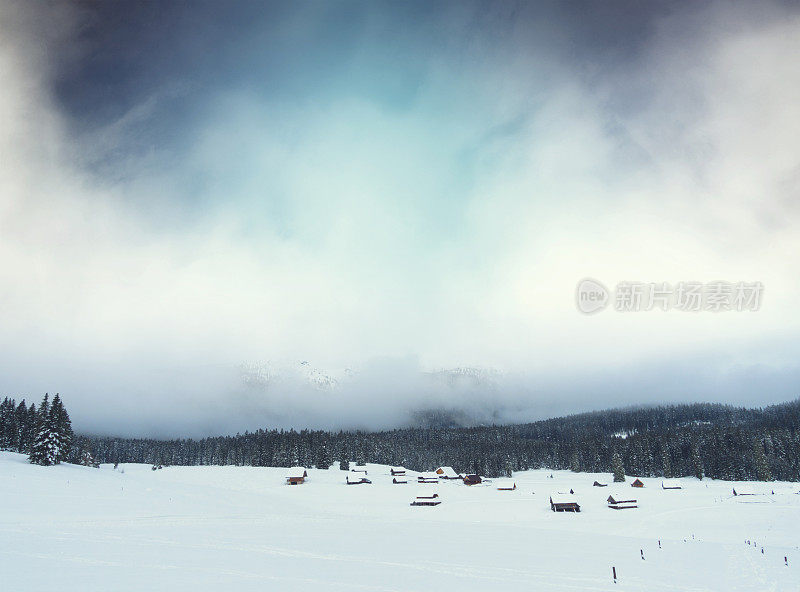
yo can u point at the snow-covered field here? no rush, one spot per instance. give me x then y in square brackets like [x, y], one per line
[240, 528]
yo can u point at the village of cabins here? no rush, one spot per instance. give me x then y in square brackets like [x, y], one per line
[561, 501]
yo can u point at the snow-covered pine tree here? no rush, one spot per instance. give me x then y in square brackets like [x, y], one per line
[8, 425]
[617, 468]
[30, 428]
[575, 462]
[763, 472]
[344, 464]
[324, 460]
[508, 469]
[62, 427]
[697, 462]
[281, 458]
[44, 450]
[361, 457]
[87, 460]
[666, 461]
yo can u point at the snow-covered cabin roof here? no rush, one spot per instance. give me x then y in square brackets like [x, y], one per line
[358, 478]
[397, 469]
[745, 490]
[506, 485]
[671, 484]
[613, 500]
[563, 498]
[447, 472]
[296, 473]
[427, 493]
[432, 476]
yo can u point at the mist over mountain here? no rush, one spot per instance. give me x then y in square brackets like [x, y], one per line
[453, 397]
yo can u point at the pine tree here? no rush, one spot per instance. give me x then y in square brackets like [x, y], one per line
[30, 427]
[8, 427]
[697, 462]
[62, 427]
[344, 464]
[617, 468]
[281, 458]
[323, 460]
[479, 466]
[361, 457]
[763, 472]
[44, 450]
[87, 460]
[666, 461]
[23, 428]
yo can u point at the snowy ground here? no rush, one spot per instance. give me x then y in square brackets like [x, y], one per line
[241, 528]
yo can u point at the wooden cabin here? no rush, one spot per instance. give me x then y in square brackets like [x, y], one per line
[743, 490]
[427, 495]
[598, 484]
[427, 478]
[621, 504]
[564, 502]
[357, 479]
[399, 471]
[399, 480]
[296, 476]
[446, 473]
[426, 500]
[670, 484]
[637, 483]
[506, 486]
[472, 479]
[362, 471]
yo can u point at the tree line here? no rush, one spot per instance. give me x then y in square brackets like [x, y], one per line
[44, 433]
[710, 440]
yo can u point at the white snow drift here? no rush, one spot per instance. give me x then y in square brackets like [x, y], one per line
[242, 528]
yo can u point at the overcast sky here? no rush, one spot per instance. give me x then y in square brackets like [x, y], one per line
[385, 190]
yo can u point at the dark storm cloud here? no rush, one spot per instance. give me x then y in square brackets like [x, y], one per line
[394, 188]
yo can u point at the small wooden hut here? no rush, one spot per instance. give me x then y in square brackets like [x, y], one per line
[296, 476]
[472, 479]
[446, 473]
[621, 504]
[357, 479]
[564, 502]
[637, 483]
[426, 499]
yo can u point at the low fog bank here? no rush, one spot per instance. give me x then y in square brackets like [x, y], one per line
[391, 393]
